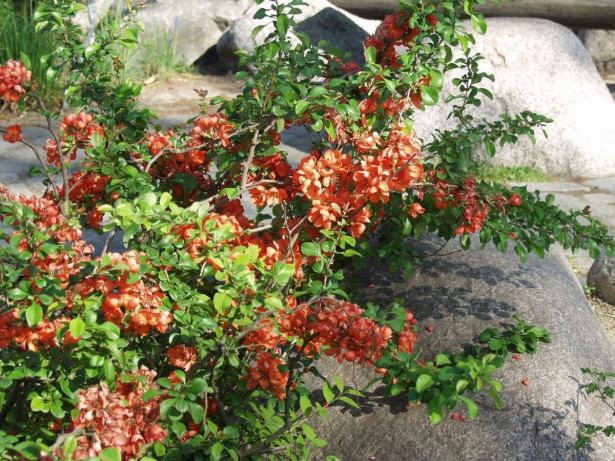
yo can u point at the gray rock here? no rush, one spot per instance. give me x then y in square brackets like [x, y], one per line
[542, 67]
[319, 20]
[601, 276]
[573, 13]
[196, 25]
[461, 295]
[601, 47]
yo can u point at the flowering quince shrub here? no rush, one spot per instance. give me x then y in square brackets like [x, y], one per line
[195, 341]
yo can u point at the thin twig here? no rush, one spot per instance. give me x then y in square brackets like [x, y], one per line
[108, 241]
[40, 160]
[78, 432]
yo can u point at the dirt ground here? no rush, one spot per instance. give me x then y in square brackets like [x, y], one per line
[605, 313]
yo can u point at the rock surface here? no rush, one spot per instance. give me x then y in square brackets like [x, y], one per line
[461, 295]
[319, 20]
[601, 47]
[543, 67]
[195, 24]
[601, 277]
[572, 13]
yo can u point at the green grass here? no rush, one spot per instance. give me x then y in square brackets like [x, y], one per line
[156, 55]
[17, 35]
[488, 172]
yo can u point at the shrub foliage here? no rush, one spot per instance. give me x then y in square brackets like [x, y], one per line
[194, 342]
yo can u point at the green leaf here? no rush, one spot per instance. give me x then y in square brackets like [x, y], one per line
[282, 25]
[76, 327]
[25, 59]
[196, 386]
[489, 147]
[231, 432]
[594, 250]
[317, 91]
[165, 199]
[111, 454]
[370, 55]
[496, 398]
[328, 393]
[52, 73]
[479, 24]
[34, 314]
[424, 382]
[309, 432]
[472, 407]
[442, 359]
[216, 450]
[29, 450]
[301, 106]
[150, 394]
[222, 301]
[70, 445]
[37, 404]
[17, 293]
[305, 404]
[430, 95]
[109, 369]
[197, 412]
[310, 249]
[110, 329]
[97, 139]
[350, 402]
[339, 383]
[435, 411]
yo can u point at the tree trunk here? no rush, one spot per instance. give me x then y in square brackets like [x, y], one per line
[581, 14]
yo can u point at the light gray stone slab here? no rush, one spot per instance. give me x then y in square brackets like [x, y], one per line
[602, 183]
[553, 186]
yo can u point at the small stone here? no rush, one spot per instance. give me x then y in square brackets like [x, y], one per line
[601, 277]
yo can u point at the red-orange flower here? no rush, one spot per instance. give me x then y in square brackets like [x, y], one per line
[416, 209]
[13, 134]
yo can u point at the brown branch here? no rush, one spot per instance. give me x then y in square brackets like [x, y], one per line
[108, 241]
[63, 169]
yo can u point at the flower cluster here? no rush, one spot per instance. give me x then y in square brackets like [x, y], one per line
[182, 356]
[136, 304]
[336, 327]
[393, 33]
[13, 78]
[340, 186]
[265, 373]
[119, 418]
[86, 189]
[75, 133]
[14, 331]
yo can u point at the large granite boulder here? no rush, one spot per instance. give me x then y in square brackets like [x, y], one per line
[572, 13]
[543, 67]
[319, 20]
[601, 277]
[196, 25]
[461, 295]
